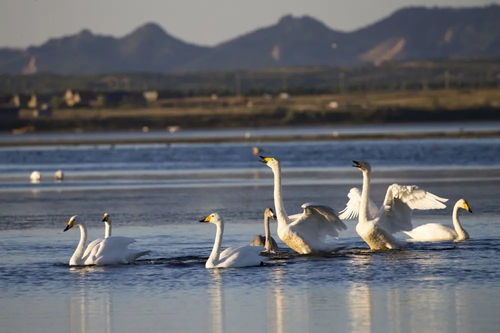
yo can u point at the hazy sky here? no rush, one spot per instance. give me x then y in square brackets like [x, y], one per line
[208, 22]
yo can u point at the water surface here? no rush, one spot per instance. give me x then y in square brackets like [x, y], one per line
[157, 193]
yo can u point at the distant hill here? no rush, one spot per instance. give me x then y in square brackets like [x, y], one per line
[415, 33]
[147, 49]
[291, 42]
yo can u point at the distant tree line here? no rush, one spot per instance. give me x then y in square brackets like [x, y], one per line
[390, 76]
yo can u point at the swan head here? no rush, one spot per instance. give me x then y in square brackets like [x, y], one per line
[270, 161]
[71, 222]
[462, 203]
[268, 212]
[212, 218]
[105, 218]
[363, 166]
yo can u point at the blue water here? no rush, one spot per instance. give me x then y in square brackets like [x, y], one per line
[156, 194]
[419, 153]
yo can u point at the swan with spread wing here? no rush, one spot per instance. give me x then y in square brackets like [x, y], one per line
[376, 227]
[305, 232]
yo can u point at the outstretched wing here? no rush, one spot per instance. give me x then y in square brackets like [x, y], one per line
[317, 222]
[351, 210]
[399, 202]
[92, 247]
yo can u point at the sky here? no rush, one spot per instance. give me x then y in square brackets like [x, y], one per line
[205, 22]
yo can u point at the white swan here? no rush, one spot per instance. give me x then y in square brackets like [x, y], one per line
[35, 176]
[59, 175]
[231, 257]
[435, 232]
[266, 241]
[108, 251]
[376, 227]
[305, 233]
[256, 150]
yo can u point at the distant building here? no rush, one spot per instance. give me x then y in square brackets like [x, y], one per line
[83, 98]
[284, 95]
[150, 96]
[9, 101]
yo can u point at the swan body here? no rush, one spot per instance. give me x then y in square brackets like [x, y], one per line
[266, 241]
[306, 232]
[376, 227]
[107, 251]
[243, 256]
[435, 232]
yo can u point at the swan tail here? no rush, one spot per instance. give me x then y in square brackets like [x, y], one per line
[408, 233]
[134, 255]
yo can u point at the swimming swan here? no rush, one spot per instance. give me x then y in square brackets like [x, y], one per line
[376, 227]
[305, 233]
[231, 257]
[266, 241]
[59, 175]
[35, 177]
[108, 251]
[435, 232]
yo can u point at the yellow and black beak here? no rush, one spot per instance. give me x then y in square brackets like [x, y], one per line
[467, 207]
[206, 219]
[265, 159]
[67, 228]
[356, 164]
[273, 216]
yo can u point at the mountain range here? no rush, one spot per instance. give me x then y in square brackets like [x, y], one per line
[414, 33]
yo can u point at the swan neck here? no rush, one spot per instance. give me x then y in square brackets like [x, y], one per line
[267, 233]
[365, 194]
[281, 215]
[461, 233]
[107, 229]
[214, 255]
[78, 254]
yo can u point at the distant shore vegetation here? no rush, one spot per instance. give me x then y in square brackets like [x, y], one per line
[394, 91]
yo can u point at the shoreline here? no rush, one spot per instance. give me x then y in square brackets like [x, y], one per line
[134, 138]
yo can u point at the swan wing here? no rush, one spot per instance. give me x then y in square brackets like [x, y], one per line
[431, 232]
[317, 222]
[400, 200]
[114, 250]
[227, 252]
[92, 247]
[351, 210]
[241, 257]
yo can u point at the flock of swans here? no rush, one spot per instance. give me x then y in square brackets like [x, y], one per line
[307, 232]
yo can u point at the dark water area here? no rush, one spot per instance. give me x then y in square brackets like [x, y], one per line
[156, 194]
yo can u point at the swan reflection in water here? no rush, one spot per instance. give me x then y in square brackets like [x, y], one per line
[90, 311]
[279, 298]
[216, 299]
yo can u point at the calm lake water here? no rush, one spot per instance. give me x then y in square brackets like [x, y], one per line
[157, 193]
